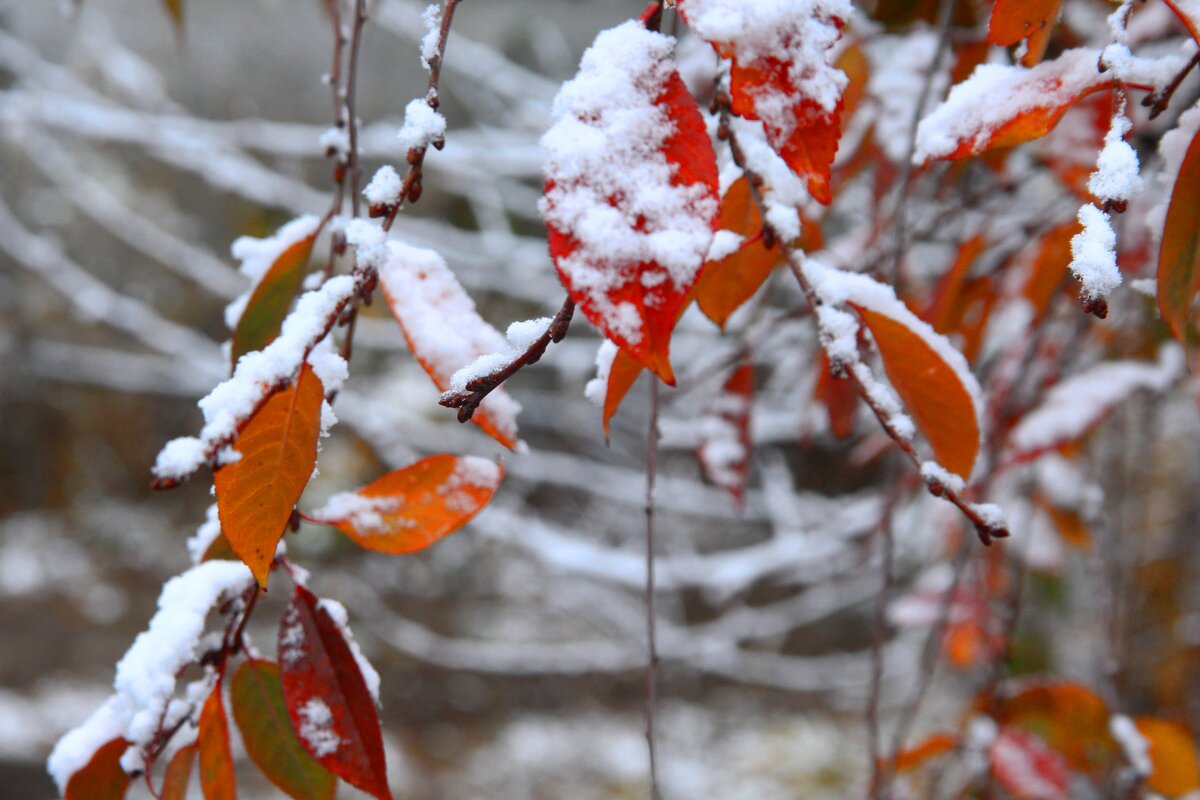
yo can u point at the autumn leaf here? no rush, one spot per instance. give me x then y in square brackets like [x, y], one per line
[724, 449]
[1014, 20]
[1189, 15]
[615, 378]
[631, 192]
[1172, 753]
[175, 9]
[268, 305]
[1069, 717]
[102, 778]
[961, 304]
[278, 450]
[412, 508]
[327, 697]
[217, 779]
[1027, 768]
[932, 390]
[727, 283]
[918, 754]
[1049, 267]
[839, 397]
[261, 714]
[179, 773]
[1179, 254]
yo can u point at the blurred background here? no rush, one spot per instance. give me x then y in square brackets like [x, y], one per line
[511, 653]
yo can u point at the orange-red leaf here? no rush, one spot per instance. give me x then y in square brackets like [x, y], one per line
[217, 779]
[1027, 768]
[1014, 20]
[179, 773]
[1050, 266]
[102, 777]
[839, 397]
[608, 233]
[622, 374]
[412, 508]
[1173, 755]
[942, 407]
[730, 281]
[268, 304]
[327, 697]
[1069, 717]
[262, 718]
[918, 754]
[1188, 14]
[1179, 255]
[256, 493]
[724, 449]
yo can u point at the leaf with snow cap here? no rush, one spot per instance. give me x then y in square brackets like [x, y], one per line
[631, 191]
[1027, 768]
[102, 778]
[261, 714]
[217, 779]
[1179, 254]
[278, 450]
[724, 449]
[267, 306]
[412, 508]
[1003, 106]
[328, 700]
[781, 74]
[443, 329]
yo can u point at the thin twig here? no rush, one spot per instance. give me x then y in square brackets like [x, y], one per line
[651, 637]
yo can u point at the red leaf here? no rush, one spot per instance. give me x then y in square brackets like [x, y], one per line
[327, 698]
[628, 234]
[1188, 14]
[1027, 768]
[724, 450]
[278, 447]
[412, 508]
[777, 79]
[262, 717]
[839, 398]
[179, 773]
[259, 322]
[618, 377]
[1179, 255]
[217, 779]
[102, 777]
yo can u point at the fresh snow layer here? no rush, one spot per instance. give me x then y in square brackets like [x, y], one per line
[145, 679]
[597, 388]
[1116, 176]
[610, 181]
[1094, 254]
[257, 256]
[384, 188]
[422, 126]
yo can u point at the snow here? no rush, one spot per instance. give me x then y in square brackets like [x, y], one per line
[1135, 746]
[145, 679]
[610, 180]
[1073, 406]
[1116, 176]
[257, 374]
[205, 535]
[257, 256]
[441, 324]
[998, 93]
[337, 612]
[1028, 766]
[470, 472]
[431, 17]
[1172, 148]
[335, 140]
[519, 336]
[899, 69]
[316, 728]
[722, 451]
[724, 243]
[1094, 254]
[597, 388]
[384, 188]
[423, 126]
[933, 472]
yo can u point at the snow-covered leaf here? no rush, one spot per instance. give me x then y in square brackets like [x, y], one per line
[261, 715]
[412, 508]
[277, 451]
[102, 777]
[268, 304]
[1027, 768]
[328, 700]
[1069, 717]
[631, 191]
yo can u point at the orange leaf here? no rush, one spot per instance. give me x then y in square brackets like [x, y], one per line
[918, 754]
[942, 407]
[412, 508]
[1050, 266]
[727, 283]
[256, 493]
[629, 250]
[1069, 717]
[854, 62]
[1014, 20]
[179, 773]
[1173, 755]
[1188, 14]
[102, 778]
[262, 718]
[268, 304]
[217, 779]
[622, 374]
[1179, 255]
[839, 397]
[443, 329]
[724, 449]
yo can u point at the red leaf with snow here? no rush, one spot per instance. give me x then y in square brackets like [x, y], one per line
[217, 779]
[781, 75]
[1027, 768]
[412, 508]
[724, 450]
[102, 777]
[631, 191]
[1179, 255]
[327, 697]
[443, 329]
